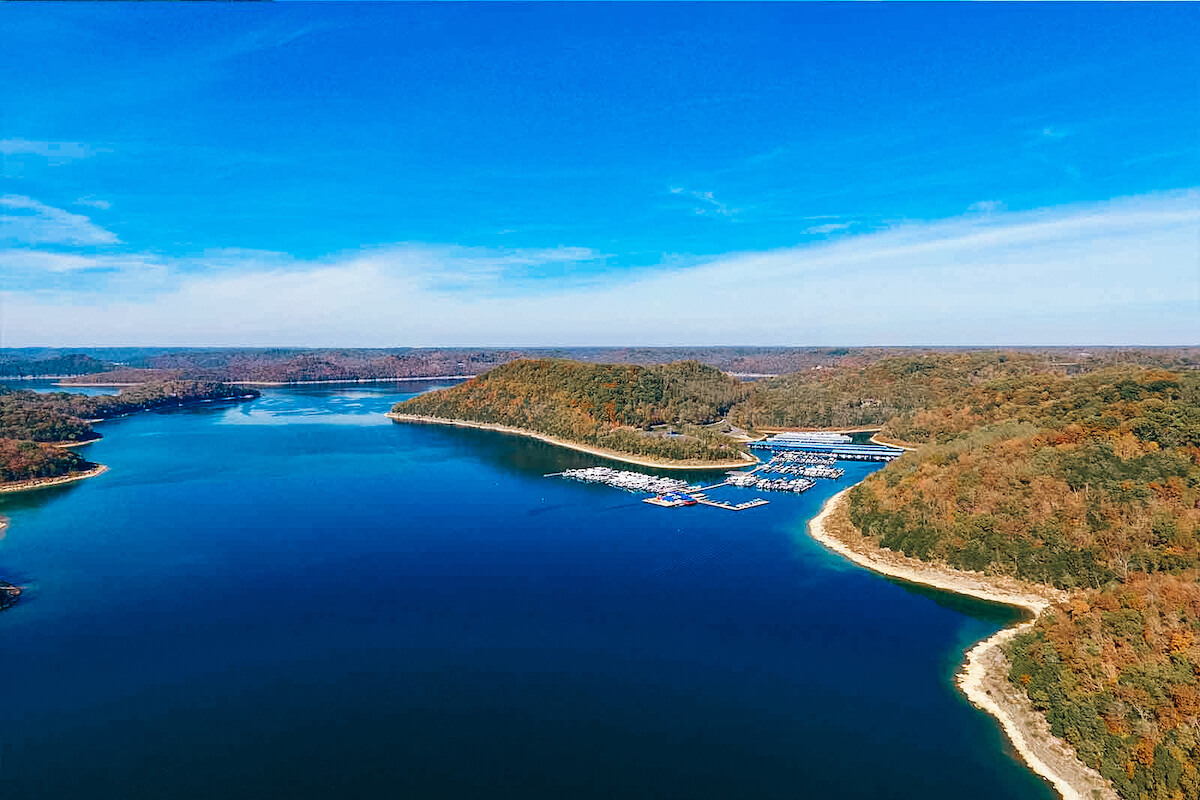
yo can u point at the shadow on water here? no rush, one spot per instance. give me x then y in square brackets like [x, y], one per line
[36, 498]
[999, 614]
[525, 456]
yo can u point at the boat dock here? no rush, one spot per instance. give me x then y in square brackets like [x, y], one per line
[622, 479]
[699, 498]
[789, 470]
[755, 503]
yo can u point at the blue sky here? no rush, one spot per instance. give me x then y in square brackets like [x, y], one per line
[495, 174]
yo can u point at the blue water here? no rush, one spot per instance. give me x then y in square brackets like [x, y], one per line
[45, 386]
[297, 597]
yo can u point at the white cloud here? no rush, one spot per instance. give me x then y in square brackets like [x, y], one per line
[1125, 271]
[26, 221]
[17, 261]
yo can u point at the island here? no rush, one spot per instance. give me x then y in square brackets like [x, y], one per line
[670, 415]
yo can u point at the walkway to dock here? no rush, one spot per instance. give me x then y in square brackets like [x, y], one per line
[726, 481]
[755, 503]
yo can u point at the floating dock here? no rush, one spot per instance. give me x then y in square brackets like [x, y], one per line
[699, 498]
[672, 500]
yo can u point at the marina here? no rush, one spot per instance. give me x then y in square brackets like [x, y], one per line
[789, 471]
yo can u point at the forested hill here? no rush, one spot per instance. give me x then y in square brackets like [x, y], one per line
[1089, 483]
[30, 421]
[876, 393]
[658, 411]
[64, 364]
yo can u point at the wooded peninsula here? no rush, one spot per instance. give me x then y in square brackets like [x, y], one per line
[664, 412]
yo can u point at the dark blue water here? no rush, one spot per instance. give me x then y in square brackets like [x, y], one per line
[297, 597]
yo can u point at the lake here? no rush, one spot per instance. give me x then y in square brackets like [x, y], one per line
[296, 596]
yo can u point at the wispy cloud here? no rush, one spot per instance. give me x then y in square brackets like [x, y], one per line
[1116, 272]
[1055, 132]
[27, 221]
[63, 151]
[986, 207]
[710, 205]
[93, 202]
[27, 262]
[427, 268]
[829, 227]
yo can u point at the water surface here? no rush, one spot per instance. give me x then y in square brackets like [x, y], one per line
[296, 596]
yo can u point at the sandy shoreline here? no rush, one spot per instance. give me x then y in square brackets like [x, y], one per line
[42, 483]
[876, 440]
[984, 675]
[596, 451]
[69, 445]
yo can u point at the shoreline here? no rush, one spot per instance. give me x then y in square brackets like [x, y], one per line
[907, 448]
[42, 483]
[983, 677]
[595, 451]
[68, 445]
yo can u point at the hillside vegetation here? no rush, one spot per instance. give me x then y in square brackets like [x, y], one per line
[878, 392]
[606, 405]
[1091, 483]
[23, 461]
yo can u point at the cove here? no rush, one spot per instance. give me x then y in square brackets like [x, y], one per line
[296, 596]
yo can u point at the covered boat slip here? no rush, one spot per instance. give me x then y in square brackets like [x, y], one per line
[837, 445]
